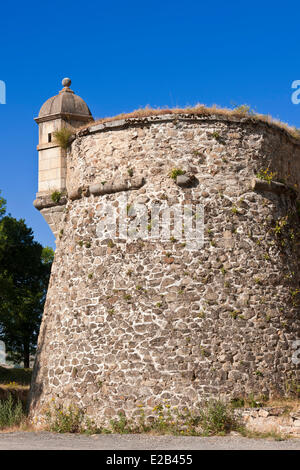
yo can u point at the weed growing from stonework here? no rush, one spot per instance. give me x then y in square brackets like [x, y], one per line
[176, 172]
[237, 402]
[295, 294]
[64, 420]
[121, 425]
[110, 244]
[280, 225]
[216, 417]
[216, 136]
[258, 373]
[243, 109]
[56, 196]
[249, 401]
[197, 153]
[213, 418]
[69, 419]
[62, 137]
[203, 352]
[292, 388]
[234, 314]
[266, 175]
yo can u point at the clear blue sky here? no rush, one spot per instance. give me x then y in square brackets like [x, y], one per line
[122, 55]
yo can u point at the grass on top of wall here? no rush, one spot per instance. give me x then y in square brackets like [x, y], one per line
[242, 111]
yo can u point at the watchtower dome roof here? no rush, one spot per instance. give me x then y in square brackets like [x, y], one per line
[65, 104]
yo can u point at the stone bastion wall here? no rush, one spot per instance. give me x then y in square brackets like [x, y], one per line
[143, 322]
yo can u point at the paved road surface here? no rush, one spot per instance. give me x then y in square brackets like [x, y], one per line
[51, 441]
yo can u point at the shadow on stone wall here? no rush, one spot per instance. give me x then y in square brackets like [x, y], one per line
[36, 387]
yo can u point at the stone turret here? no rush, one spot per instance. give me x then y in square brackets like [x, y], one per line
[65, 110]
[148, 320]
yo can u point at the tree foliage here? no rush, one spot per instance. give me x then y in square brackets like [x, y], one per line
[2, 206]
[24, 275]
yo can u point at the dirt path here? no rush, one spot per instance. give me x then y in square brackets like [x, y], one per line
[51, 441]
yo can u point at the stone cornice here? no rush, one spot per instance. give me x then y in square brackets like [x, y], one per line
[65, 116]
[47, 146]
[95, 189]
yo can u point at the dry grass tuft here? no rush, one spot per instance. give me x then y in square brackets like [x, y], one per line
[242, 111]
[24, 426]
[290, 403]
[62, 137]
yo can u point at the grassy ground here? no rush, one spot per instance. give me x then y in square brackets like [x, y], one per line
[14, 389]
[15, 382]
[15, 377]
[290, 404]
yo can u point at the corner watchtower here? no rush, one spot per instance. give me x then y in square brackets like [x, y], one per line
[65, 110]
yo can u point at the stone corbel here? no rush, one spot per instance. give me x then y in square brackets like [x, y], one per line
[44, 202]
[96, 189]
[273, 187]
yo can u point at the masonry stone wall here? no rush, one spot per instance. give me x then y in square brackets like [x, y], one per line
[140, 322]
[278, 420]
